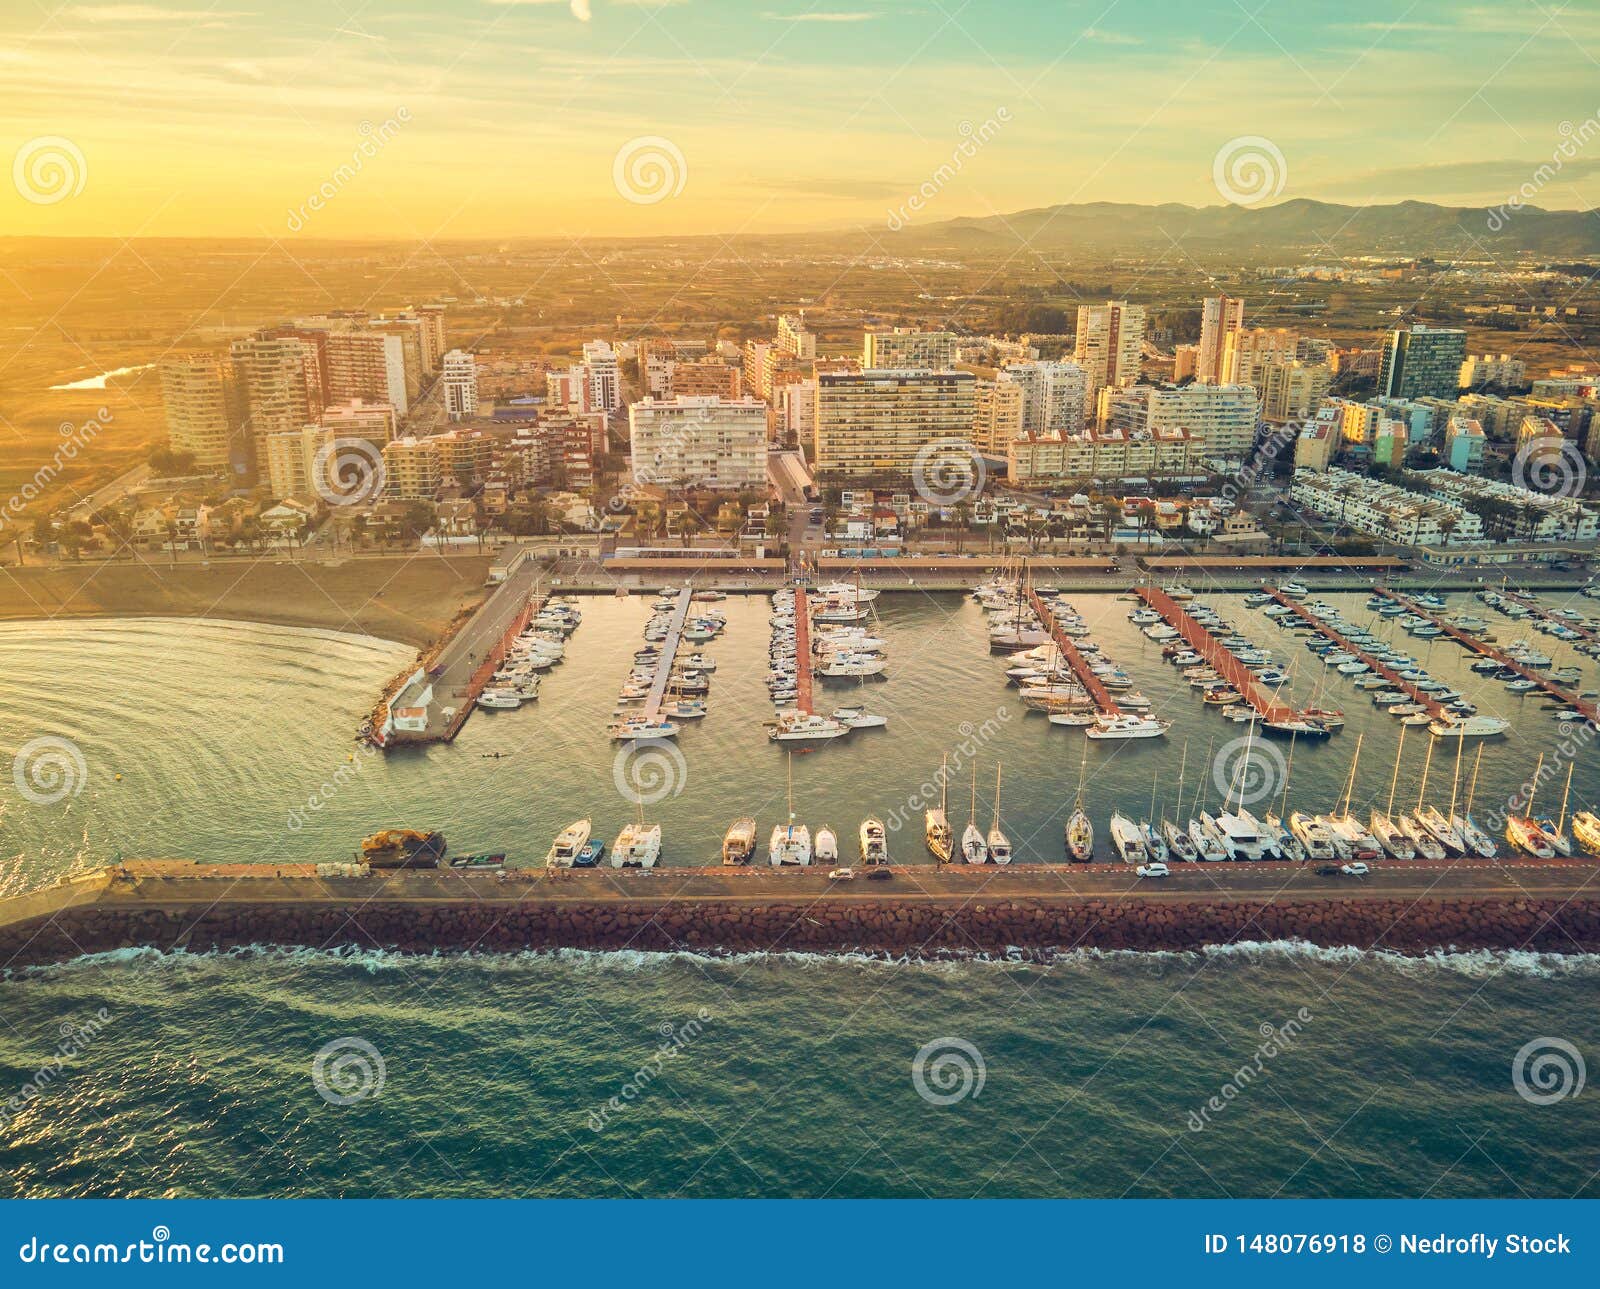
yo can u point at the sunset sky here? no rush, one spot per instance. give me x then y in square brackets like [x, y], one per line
[506, 118]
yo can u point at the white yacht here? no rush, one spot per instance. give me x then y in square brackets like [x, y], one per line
[499, 699]
[636, 728]
[803, 727]
[874, 841]
[1128, 839]
[858, 718]
[572, 839]
[827, 847]
[1126, 727]
[1468, 726]
[637, 846]
[1243, 835]
[1313, 835]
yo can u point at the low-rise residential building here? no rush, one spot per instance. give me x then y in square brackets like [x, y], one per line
[1045, 460]
[1385, 511]
[1464, 442]
[1529, 516]
[1490, 369]
[1318, 441]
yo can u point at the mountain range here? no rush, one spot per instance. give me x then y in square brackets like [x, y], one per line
[1301, 227]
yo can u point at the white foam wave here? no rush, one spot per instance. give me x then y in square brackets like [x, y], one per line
[1471, 963]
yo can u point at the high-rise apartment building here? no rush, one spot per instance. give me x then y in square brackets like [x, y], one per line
[458, 375]
[374, 422]
[368, 365]
[1055, 395]
[1247, 351]
[1224, 416]
[1292, 390]
[196, 400]
[1220, 317]
[412, 469]
[874, 422]
[269, 388]
[997, 415]
[1109, 344]
[699, 442]
[907, 349]
[1421, 361]
[602, 376]
[793, 338]
[708, 377]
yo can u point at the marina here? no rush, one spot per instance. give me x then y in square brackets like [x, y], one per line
[1534, 676]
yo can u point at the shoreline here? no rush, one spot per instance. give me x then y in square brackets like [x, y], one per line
[1407, 909]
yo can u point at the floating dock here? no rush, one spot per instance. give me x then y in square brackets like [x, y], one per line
[1435, 708]
[1218, 656]
[1103, 702]
[669, 655]
[802, 652]
[1538, 610]
[1467, 640]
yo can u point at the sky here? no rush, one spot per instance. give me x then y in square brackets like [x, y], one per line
[440, 119]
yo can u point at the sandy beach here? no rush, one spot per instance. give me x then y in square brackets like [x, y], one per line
[407, 600]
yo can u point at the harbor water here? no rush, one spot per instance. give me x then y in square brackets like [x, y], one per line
[588, 1074]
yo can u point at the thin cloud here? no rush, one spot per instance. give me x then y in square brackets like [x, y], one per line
[821, 17]
[112, 13]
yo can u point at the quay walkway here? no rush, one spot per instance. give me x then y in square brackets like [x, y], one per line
[1435, 709]
[1217, 656]
[669, 654]
[802, 652]
[1467, 640]
[1103, 702]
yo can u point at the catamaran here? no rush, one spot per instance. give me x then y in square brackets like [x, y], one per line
[936, 823]
[790, 844]
[638, 845]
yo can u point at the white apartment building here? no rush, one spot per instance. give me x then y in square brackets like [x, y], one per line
[797, 410]
[1491, 369]
[1103, 455]
[1247, 351]
[997, 415]
[1388, 513]
[1109, 344]
[602, 377]
[1055, 395]
[1224, 416]
[196, 401]
[1539, 516]
[1292, 390]
[699, 442]
[793, 338]
[905, 348]
[459, 377]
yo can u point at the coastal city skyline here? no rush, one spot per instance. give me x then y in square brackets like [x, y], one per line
[530, 119]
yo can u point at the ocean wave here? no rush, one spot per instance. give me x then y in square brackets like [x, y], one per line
[1471, 963]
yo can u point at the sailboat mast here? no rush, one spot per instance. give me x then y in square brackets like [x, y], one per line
[1472, 791]
[1533, 788]
[1561, 823]
[1455, 783]
[1288, 774]
[944, 786]
[1183, 764]
[997, 796]
[1394, 779]
[1350, 783]
[1427, 764]
[972, 806]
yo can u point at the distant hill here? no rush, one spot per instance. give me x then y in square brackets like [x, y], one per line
[1304, 228]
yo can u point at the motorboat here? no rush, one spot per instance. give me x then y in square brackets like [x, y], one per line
[1586, 830]
[499, 700]
[1128, 839]
[874, 841]
[638, 845]
[805, 727]
[739, 842]
[826, 849]
[1127, 727]
[637, 729]
[1314, 836]
[569, 844]
[1452, 726]
[858, 718]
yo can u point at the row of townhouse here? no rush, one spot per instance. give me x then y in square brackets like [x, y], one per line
[1541, 517]
[1384, 511]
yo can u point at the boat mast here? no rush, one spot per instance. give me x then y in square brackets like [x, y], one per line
[1288, 773]
[1534, 787]
[1083, 769]
[1427, 764]
[1350, 783]
[1199, 792]
[1472, 790]
[972, 806]
[1183, 764]
[790, 775]
[1561, 823]
[944, 786]
[997, 797]
[1455, 783]
[1394, 779]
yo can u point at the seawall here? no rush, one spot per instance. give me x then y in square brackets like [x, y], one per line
[1035, 924]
